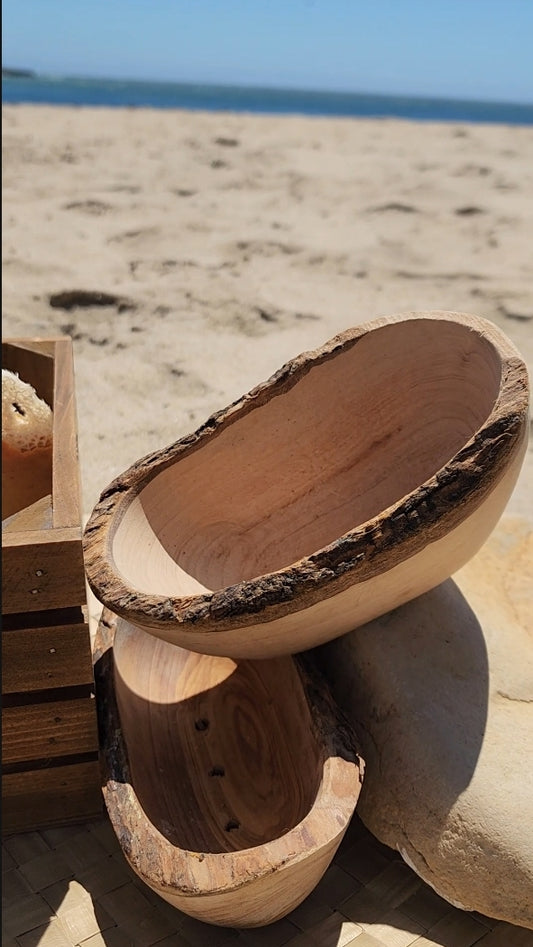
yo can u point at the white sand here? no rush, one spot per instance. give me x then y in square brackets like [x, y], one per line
[240, 241]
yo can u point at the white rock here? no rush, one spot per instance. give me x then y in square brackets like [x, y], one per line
[441, 692]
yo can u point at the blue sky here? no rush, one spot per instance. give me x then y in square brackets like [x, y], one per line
[478, 49]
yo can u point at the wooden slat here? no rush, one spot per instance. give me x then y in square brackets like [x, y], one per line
[33, 361]
[38, 516]
[66, 473]
[55, 796]
[49, 618]
[42, 570]
[45, 731]
[35, 659]
[40, 344]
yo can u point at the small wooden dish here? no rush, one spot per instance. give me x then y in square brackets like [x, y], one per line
[229, 785]
[356, 478]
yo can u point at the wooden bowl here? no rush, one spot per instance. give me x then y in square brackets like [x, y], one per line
[359, 476]
[229, 785]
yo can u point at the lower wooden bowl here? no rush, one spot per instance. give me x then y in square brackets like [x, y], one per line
[229, 784]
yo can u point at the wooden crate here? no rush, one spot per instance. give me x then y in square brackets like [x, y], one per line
[51, 773]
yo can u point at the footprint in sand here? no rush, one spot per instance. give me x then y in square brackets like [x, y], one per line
[184, 383]
[94, 208]
[125, 188]
[86, 299]
[397, 206]
[226, 142]
[268, 248]
[134, 236]
[470, 210]
[253, 320]
[518, 310]
[472, 170]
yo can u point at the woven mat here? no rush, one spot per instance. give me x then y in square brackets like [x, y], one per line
[72, 886]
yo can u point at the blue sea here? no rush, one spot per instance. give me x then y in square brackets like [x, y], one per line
[179, 95]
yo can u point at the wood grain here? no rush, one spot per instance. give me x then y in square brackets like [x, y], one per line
[229, 785]
[55, 728]
[65, 466]
[33, 362]
[359, 476]
[40, 658]
[38, 516]
[52, 796]
[42, 570]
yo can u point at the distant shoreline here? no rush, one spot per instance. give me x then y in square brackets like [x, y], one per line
[23, 87]
[18, 74]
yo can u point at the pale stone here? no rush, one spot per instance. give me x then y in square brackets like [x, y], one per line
[441, 693]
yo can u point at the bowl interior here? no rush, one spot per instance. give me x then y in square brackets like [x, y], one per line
[354, 435]
[223, 755]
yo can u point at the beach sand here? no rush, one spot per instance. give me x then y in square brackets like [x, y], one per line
[234, 242]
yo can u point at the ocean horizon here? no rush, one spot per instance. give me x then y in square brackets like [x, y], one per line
[121, 93]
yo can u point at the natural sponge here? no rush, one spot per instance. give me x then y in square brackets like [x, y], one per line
[26, 445]
[26, 418]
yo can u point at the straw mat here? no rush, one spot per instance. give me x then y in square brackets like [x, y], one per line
[72, 886]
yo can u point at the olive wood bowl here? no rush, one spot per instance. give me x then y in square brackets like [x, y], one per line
[357, 477]
[229, 784]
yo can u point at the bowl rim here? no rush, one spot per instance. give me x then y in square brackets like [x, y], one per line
[424, 514]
